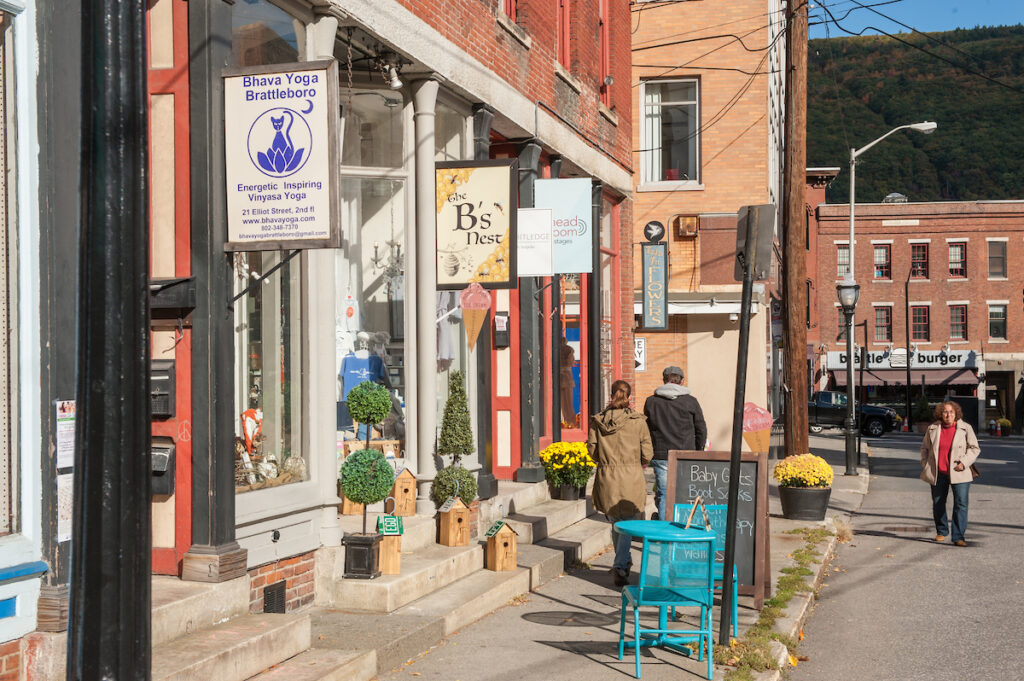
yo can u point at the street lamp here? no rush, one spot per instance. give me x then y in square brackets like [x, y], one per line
[849, 293]
[853, 290]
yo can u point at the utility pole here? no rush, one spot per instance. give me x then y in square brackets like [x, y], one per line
[794, 246]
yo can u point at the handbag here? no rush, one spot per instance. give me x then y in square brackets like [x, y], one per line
[975, 473]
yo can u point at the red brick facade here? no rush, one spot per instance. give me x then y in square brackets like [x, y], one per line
[937, 225]
[297, 573]
[10, 661]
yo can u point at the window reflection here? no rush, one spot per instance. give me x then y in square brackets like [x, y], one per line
[262, 33]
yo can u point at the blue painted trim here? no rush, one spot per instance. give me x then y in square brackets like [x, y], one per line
[23, 571]
[8, 607]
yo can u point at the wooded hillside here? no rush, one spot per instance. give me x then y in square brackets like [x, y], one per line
[860, 88]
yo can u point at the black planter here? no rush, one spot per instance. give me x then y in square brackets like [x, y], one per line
[362, 556]
[569, 493]
[804, 503]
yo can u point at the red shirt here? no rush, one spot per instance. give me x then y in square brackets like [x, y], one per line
[945, 444]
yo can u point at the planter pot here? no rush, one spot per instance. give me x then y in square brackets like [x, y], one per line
[804, 503]
[362, 556]
[570, 493]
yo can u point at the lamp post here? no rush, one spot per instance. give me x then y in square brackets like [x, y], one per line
[849, 293]
[853, 290]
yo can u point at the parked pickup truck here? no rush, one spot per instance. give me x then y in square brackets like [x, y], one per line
[827, 409]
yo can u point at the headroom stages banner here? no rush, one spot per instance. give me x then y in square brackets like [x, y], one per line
[281, 155]
[477, 203]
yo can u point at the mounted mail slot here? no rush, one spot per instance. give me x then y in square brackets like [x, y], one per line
[161, 388]
[162, 452]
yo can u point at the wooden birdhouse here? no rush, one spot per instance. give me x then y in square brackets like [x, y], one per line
[454, 523]
[347, 506]
[501, 547]
[390, 527]
[404, 493]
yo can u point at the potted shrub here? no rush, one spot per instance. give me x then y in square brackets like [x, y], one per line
[1004, 426]
[567, 467]
[805, 485]
[366, 478]
[456, 441]
[923, 414]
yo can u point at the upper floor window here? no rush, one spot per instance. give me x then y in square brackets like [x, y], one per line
[997, 322]
[564, 34]
[958, 260]
[263, 33]
[997, 259]
[883, 323]
[919, 327]
[919, 261]
[606, 66]
[670, 139]
[840, 324]
[842, 260]
[883, 261]
[510, 9]
[958, 322]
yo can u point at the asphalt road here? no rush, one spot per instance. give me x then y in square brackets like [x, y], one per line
[899, 606]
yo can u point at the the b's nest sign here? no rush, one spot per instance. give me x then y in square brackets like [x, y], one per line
[281, 155]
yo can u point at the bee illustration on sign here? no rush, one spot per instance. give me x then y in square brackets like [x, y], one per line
[454, 259]
[290, 139]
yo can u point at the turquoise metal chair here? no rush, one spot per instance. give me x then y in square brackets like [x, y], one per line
[674, 573]
[717, 514]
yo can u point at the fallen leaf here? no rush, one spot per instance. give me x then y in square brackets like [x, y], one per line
[792, 660]
[802, 658]
[415, 674]
[889, 555]
[801, 634]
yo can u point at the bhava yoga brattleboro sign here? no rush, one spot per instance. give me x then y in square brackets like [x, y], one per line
[281, 156]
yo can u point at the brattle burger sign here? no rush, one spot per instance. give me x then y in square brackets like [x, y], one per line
[921, 359]
[281, 152]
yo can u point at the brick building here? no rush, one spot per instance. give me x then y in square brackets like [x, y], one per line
[938, 280]
[708, 135]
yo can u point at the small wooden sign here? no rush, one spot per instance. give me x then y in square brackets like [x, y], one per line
[454, 529]
[404, 493]
[500, 555]
[389, 526]
[448, 505]
[391, 554]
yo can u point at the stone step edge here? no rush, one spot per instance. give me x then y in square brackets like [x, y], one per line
[206, 606]
[330, 665]
[549, 521]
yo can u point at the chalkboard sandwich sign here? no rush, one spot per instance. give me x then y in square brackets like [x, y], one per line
[693, 474]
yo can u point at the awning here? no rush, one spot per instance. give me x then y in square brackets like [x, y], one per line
[899, 377]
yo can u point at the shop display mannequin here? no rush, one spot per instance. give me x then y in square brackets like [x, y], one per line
[356, 367]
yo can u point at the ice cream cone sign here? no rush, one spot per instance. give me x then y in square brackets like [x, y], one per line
[475, 302]
[757, 427]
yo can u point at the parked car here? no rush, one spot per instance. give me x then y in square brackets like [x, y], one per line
[827, 409]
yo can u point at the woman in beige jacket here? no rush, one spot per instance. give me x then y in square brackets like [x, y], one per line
[947, 452]
[621, 445]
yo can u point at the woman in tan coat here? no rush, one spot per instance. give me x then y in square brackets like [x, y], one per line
[947, 452]
[621, 445]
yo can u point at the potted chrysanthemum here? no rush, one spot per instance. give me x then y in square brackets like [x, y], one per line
[805, 485]
[567, 467]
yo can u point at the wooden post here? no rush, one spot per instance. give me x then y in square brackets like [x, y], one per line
[794, 248]
[501, 549]
[454, 523]
[391, 554]
[404, 493]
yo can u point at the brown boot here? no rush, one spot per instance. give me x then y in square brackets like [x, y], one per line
[940, 537]
[960, 542]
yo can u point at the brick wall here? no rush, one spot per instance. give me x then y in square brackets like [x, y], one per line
[10, 661]
[974, 221]
[664, 348]
[297, 572]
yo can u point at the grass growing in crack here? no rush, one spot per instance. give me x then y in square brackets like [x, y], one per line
[752, 652]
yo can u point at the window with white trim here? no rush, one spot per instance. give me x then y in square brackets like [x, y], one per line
[997, 319]
[670, 130]
[958, 322]
[997, 259]
[842, 260]
[883, 323]
[958, 260]
[8, 459]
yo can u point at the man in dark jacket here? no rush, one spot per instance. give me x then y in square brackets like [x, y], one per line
[676, 421]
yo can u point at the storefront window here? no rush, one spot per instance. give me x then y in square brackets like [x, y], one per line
[370, 313]
[268, 371]
[263, 33]
[268, 320]
[609, 295]
[570, 352]
[372, 130]
[449, 135]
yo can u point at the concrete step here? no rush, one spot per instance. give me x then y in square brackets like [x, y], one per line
[419, 531]
[581, 540]
[234, 650]
[423, 572]
[543, 564]
[394, 639]
[547, 518]
[181, 608]
[512, 497]
[467, 600]
[321, 664]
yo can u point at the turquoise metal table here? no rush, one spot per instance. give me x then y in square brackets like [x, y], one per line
[662, 531]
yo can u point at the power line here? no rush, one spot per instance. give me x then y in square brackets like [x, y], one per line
[961, 67]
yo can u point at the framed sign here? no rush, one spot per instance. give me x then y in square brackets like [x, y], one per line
[477, 205]
[571, 203]
[535, 246]
[706, 474]
[655, 273]
[281, 156]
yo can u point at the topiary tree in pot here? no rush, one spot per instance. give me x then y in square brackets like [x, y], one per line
[456, 441]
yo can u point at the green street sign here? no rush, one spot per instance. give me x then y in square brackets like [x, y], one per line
[390, 525]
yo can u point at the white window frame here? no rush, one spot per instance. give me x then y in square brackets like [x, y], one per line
[650, 140]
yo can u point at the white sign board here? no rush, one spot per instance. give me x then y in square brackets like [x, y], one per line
[570, 201]
[281, 156]
[640, 354]
[921, 359]
[535, 244]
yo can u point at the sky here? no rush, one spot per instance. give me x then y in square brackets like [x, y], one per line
[923, 15]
